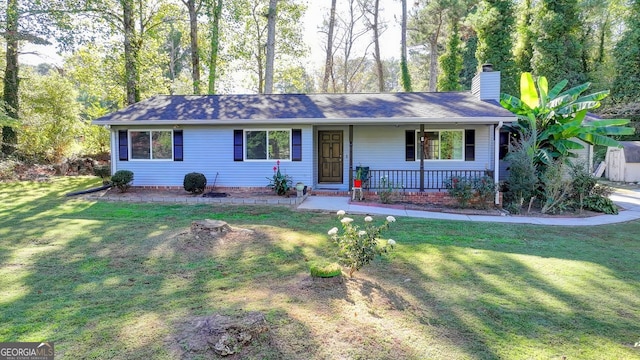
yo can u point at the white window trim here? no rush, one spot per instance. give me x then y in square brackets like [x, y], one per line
[418, 147]
[244, 145]
[151, 159]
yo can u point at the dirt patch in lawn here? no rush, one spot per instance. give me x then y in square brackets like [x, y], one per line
[306, 317]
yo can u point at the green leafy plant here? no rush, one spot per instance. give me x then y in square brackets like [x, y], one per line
[122, 180]
[103, 172]
[358, 245]
[555, 189]
[522, 181]
[485, 188]
[461, 189]
[324, 270]
[279, 183]
[194, 182]
[582, 183]
[387, 191]
[556, 119]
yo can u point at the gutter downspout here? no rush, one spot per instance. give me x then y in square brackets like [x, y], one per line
[114, 148]
[496, 160]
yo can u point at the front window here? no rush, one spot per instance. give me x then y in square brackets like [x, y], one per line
[268, 144]
[151, 145]
[443, 145]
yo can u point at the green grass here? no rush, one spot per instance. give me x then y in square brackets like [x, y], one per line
[117, 280]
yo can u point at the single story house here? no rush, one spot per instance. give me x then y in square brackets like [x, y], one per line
[623, 164]
[414, 140]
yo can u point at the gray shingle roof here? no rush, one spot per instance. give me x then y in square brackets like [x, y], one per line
[312, 107]
[631, 151]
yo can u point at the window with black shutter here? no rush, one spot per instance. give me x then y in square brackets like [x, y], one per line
[410, 145]
[178, 145]
[237, 145]
[469, 145]
[123, 145]
[296, 145]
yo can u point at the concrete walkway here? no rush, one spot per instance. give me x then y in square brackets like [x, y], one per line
[629, 200]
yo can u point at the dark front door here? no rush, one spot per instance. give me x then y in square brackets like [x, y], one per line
[330, 157]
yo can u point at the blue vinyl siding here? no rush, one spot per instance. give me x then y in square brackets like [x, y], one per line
[209, 150]
[383, 147]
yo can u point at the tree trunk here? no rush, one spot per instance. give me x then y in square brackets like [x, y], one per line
[271, 47]
[195, 54]
[214, 19]
[11, 80]
[433, 55]
[404, 67]
[328, 64]
[130, 56]
[376, 46]
[433, 65]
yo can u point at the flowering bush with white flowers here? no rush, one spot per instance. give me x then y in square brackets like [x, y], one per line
[358, 245]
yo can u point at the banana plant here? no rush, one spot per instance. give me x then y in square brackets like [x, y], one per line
[557, 118]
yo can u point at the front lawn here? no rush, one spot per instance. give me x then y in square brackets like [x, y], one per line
[117, 280]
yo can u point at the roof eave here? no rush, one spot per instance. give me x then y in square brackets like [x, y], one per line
[314, 121]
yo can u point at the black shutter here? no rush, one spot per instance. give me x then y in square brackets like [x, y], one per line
[178, 145]
[469, 145]
[296, 145]
[237, 145]
[410, 145]
[123, 145]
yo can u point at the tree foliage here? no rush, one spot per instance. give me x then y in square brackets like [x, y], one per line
[557, 50]
[626, 86]
[51, 117]
[494, 22]
[451, 62]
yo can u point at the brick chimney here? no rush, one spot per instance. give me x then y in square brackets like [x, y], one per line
[486, 84]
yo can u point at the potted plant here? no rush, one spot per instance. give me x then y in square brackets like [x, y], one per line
[357, 182]
[361, 173]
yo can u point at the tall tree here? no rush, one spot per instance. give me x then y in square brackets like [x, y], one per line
[176, 56]
[451, 61]
[214, 13]
[469, 61]
[193, 8]
[427, 25]
[11, 81]
[247, 35]
[404, 66]
[557, 51]
[328, 63]
[626, 86]
[494, 23]
[373, 9]
[135, 20]
[271, 46]
[27, 21]
[351, 33]
[524, 47]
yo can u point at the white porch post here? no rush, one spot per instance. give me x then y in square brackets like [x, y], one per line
[496, 160]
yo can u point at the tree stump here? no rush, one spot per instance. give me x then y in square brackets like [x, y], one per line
[203, 337]
[209, 228]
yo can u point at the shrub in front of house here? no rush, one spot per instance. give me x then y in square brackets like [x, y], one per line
[102, 171]
[485, 188]
[122, 179]
[194, 182]
[461, 189]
